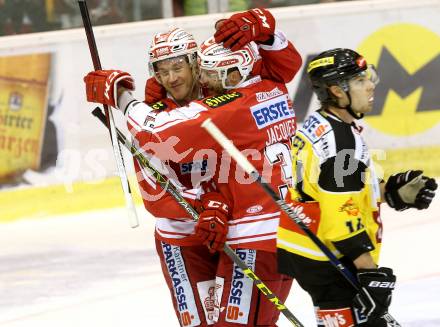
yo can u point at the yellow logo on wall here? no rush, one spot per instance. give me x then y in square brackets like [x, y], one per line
[23, 104]
[407, 99]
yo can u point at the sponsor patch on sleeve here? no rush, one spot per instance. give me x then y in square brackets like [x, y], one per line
[314, 127]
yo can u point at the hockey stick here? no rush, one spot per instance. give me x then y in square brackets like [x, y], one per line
[242, 161]
[166, 185]
[133, 220]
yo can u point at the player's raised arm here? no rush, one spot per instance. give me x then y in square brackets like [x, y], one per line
[102, 86]
[280, 59]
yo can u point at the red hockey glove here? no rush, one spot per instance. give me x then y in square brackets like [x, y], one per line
[154, 91]
[212, 226]
[253, 25]
[102, 85]
[410, 189]
[374, 296]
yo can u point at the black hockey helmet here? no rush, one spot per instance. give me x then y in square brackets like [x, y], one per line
[334, 67]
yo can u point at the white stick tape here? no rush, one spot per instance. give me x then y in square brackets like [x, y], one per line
[218, 135]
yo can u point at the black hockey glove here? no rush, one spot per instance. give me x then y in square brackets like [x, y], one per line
[374, 297]
[410, 190]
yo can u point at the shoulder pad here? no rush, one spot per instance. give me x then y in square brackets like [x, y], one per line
[320, 134]
[220, 100]
[315, 126]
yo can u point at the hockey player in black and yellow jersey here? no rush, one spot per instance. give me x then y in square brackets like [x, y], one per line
[337, 195]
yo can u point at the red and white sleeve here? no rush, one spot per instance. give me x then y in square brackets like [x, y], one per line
[280, 61]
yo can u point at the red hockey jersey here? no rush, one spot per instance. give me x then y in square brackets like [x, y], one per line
[260, 120]
[173, 224]
[279, 62]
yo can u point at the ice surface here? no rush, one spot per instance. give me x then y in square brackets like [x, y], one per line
[92, 269]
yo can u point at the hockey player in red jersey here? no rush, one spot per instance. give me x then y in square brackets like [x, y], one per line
[280, 60]
[173, 66]
[175, 80]
[172, 63]
[257, 115]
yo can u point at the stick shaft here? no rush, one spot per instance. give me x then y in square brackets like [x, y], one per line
[132, 217]
[241, 160]
[89, 33]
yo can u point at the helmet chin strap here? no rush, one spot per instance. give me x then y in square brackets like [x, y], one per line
[350, 109]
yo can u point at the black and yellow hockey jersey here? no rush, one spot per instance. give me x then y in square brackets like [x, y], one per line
[335, 192]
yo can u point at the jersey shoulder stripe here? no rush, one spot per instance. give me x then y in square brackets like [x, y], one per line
[165, 120]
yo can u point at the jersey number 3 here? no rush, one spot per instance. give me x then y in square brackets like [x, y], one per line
[279, 154]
